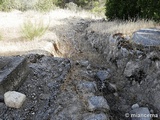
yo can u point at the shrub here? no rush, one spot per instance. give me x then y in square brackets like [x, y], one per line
[72, 6]
[86, 4]
[60, 3]
[19, 5]
[132, 9]
[98, 8]
[6, 5]
[44, 5]
[32, 30]
[40, 5]
[121, 9]
[149, 9]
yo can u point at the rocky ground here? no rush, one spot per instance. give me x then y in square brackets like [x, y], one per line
[100, 77]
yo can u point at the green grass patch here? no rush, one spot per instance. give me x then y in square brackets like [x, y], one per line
[34, 30]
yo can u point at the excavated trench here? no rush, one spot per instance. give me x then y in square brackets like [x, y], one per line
[104, 70]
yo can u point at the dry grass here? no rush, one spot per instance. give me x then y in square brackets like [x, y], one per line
[14, 48]
[127, 28]
[32, 30]
[14, 42]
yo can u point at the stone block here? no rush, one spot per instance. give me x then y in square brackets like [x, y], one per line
[13, 73]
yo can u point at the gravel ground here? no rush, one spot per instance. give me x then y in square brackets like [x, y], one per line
[41, 87]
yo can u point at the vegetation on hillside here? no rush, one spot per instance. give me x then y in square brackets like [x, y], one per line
[96, 6]
[133, 9]
[115, 9]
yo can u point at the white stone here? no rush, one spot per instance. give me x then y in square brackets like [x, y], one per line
[14, 99]
[134, 106]
[131, 68]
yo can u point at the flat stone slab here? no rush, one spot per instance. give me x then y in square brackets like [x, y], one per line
[13, 70]
[4, 62]
[147, 37]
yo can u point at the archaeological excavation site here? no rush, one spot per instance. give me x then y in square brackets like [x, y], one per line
[83, 67]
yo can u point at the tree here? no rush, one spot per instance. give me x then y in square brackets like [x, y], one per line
[132, 9]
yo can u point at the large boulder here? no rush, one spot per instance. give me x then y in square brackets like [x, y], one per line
[4, 62]
[147, 37]
[13, 71]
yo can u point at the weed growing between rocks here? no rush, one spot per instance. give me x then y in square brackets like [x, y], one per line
[32, 30]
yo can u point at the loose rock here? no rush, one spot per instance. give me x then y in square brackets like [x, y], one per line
[134, 106]
[84, 63]
[147, 37]
[140, 114]
[97, 103]
[103, 75]
[131, 68]
[100, 116]
[14, 99]
[153, 56]
[86, 87]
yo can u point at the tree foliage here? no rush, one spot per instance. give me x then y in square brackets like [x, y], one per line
[133, 9]
[46, 5]
[80, 3]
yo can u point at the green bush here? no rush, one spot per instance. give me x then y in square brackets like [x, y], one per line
[32, 30]
[98, 8]
[133, 9]
[40, 5]
[149, 9]
[59, 3]
[19, 5]
[62, 3]
[44, 5]
[86, 4]
[6, 5]
[121, 9]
